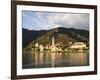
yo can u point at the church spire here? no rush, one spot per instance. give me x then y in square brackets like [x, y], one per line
[53, 41]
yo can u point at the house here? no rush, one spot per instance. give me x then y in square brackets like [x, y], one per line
[79, 45]
[41, 47]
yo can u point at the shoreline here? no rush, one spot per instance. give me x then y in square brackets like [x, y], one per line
[84, 51]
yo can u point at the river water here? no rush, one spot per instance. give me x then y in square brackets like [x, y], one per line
[47, 60]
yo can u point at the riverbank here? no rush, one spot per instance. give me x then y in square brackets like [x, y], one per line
[83, 51]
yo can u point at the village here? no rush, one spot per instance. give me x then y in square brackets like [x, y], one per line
[59, 47]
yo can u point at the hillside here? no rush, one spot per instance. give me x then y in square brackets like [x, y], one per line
[64, 35]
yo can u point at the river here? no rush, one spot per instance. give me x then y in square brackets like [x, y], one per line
[47, 60]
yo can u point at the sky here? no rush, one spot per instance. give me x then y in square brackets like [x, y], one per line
[33, 20]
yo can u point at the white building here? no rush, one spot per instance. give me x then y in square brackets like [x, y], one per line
[36, 45]
[41, 47]
[79, 45]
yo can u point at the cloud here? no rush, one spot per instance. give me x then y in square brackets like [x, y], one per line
[70, 20]
[49, 20]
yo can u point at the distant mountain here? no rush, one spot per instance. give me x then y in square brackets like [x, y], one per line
[61, 34]
[30, 35]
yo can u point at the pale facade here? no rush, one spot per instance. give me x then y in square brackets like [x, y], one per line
[79, 45]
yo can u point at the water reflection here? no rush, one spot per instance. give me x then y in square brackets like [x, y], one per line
[43, 60]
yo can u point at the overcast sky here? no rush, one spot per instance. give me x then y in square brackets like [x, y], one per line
[47, 20]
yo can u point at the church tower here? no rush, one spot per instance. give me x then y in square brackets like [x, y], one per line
[53, 41]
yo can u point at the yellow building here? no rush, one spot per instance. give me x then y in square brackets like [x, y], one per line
[79, 45]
